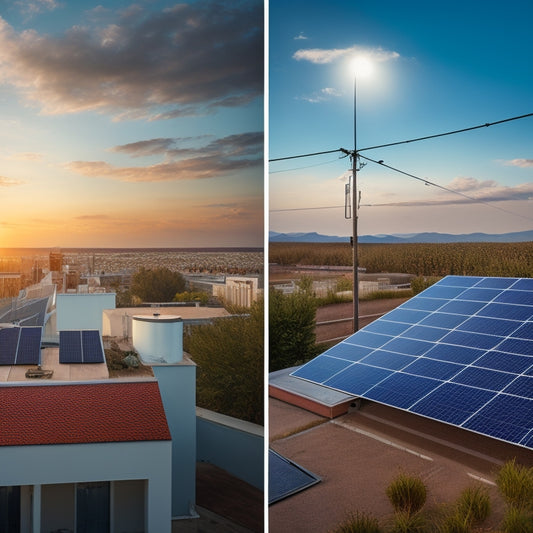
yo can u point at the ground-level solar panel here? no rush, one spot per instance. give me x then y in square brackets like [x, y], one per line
[286, 477]
[80, 347]
[460, 352]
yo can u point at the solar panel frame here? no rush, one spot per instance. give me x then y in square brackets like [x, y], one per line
[29, 346]
[92, 349]
[70, 347]
[9, 339]
[468, 345]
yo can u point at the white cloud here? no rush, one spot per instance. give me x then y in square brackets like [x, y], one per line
[8, 182]
[300, 37]
[324, 55]
[323, 95]
[522, 163]
[470, 191]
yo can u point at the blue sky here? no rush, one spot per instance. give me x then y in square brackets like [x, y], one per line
[437, 67]
[131, 123]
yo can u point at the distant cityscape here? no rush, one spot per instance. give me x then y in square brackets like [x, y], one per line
[20, 268]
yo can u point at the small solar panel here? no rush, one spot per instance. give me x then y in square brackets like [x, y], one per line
[92, 347]
[9, 338]
[29, 347]
[70, 347]
[20, 345]
[80, 347]
[286, 478]
[460, 352]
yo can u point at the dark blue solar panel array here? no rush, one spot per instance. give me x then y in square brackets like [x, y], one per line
[20, 346]
[460, 352]
[80, 347]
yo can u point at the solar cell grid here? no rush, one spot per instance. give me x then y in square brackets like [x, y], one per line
[424, 333]
[507, 362]
[384, 359]
[517, 346]
[496, 283]
[462, 307]
[29, 348]
[92, 347]
[524, 332]
[452, 403]
[348, 353]
[422, 304]
[460, 281]
[402, 389]
[505, 417]
[480, 295]
[430, 368]
[484, 378]
[9, 338]
[443, 320]
[508, 311]
[460, 352]
[490, 326]
[521, 386]
[515, 297]
[70, 347]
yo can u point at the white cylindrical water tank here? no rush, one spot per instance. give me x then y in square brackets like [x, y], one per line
[158, 339]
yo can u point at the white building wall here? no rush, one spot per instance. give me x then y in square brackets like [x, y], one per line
[82, 311]
[72, 463]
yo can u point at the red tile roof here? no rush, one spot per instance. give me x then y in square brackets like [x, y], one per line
[84, 413]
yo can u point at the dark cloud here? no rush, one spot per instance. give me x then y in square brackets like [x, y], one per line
[188, 59]
[224, 150]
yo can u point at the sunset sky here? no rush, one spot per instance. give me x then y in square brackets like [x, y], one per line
[437, 67]
[133, 124]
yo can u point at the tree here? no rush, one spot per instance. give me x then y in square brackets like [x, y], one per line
[157, 285]
[292, 338]
[230, 356]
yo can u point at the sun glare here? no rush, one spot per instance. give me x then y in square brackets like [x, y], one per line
[362, 67]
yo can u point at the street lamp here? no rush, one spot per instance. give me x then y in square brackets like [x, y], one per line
[362, 67]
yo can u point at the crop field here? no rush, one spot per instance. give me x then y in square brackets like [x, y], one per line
[467, 259]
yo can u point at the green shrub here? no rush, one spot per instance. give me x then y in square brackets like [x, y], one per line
[421, 283]
[292, 338]
[407, 494]
[517, 521]
[229, 353]
[474, 504]
[515, 483]
[455, 522]
[358, 523]
[404, 522]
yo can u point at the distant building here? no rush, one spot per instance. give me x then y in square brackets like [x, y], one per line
[56, 260]
[10, 284]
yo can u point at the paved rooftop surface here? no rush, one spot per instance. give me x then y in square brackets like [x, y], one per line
[224, 504]
[61, 372]
[357, 454]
